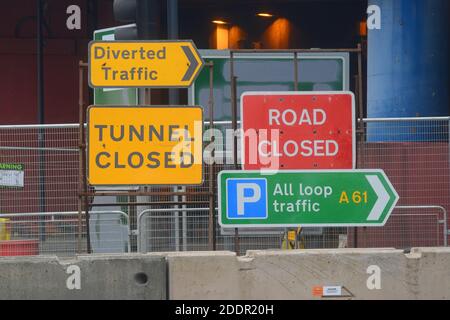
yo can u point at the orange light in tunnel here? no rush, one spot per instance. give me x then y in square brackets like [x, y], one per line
[222, 35]
[363, 29]
[219, 22]
[264, 15]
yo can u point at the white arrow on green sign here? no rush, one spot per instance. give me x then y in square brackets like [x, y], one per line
[329, 198]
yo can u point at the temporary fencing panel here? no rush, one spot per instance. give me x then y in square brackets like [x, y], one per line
[414, 153]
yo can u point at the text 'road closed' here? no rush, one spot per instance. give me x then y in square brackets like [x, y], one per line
[298, 130]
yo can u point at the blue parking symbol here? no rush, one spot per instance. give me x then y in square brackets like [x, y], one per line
[246, 198]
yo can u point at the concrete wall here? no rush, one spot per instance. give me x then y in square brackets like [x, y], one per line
[420, 274]
[101, 277]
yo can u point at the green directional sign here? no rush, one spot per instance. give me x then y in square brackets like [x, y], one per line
[329, 198]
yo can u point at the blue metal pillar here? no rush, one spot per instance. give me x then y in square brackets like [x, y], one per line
[408, 60]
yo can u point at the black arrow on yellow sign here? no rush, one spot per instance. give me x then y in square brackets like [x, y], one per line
[192, 63]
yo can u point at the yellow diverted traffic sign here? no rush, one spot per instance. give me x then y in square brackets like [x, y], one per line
[144, 145]
[157, 64]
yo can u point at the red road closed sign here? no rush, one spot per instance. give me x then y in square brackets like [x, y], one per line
[298, 130]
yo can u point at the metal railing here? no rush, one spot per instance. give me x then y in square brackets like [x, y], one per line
[56, 233]
[158, 230]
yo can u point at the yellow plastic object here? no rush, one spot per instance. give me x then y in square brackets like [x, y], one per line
[5, 234]
[293, 240]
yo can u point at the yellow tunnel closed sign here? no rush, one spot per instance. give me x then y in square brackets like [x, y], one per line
[145, 145]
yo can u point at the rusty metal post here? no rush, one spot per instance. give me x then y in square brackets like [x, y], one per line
[351, 50]
[233, 82]
[82, 165]
[295, 71]
[360, 123]
[360, 90]
[356, 78]
[159, 203]
[144, 194]
[80, 154]
[212, 202]
[86, 201]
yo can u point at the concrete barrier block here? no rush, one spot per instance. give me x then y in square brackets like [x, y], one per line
[84, 277]
[203, 275]
[281, 275]
[294, 274]
[432, 279]
[422, 273]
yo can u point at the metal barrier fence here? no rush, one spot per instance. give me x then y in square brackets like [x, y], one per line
[56, 233]
[409, 226]
[162, 230]
[49, 155]
[187, 230]
[414, 153]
